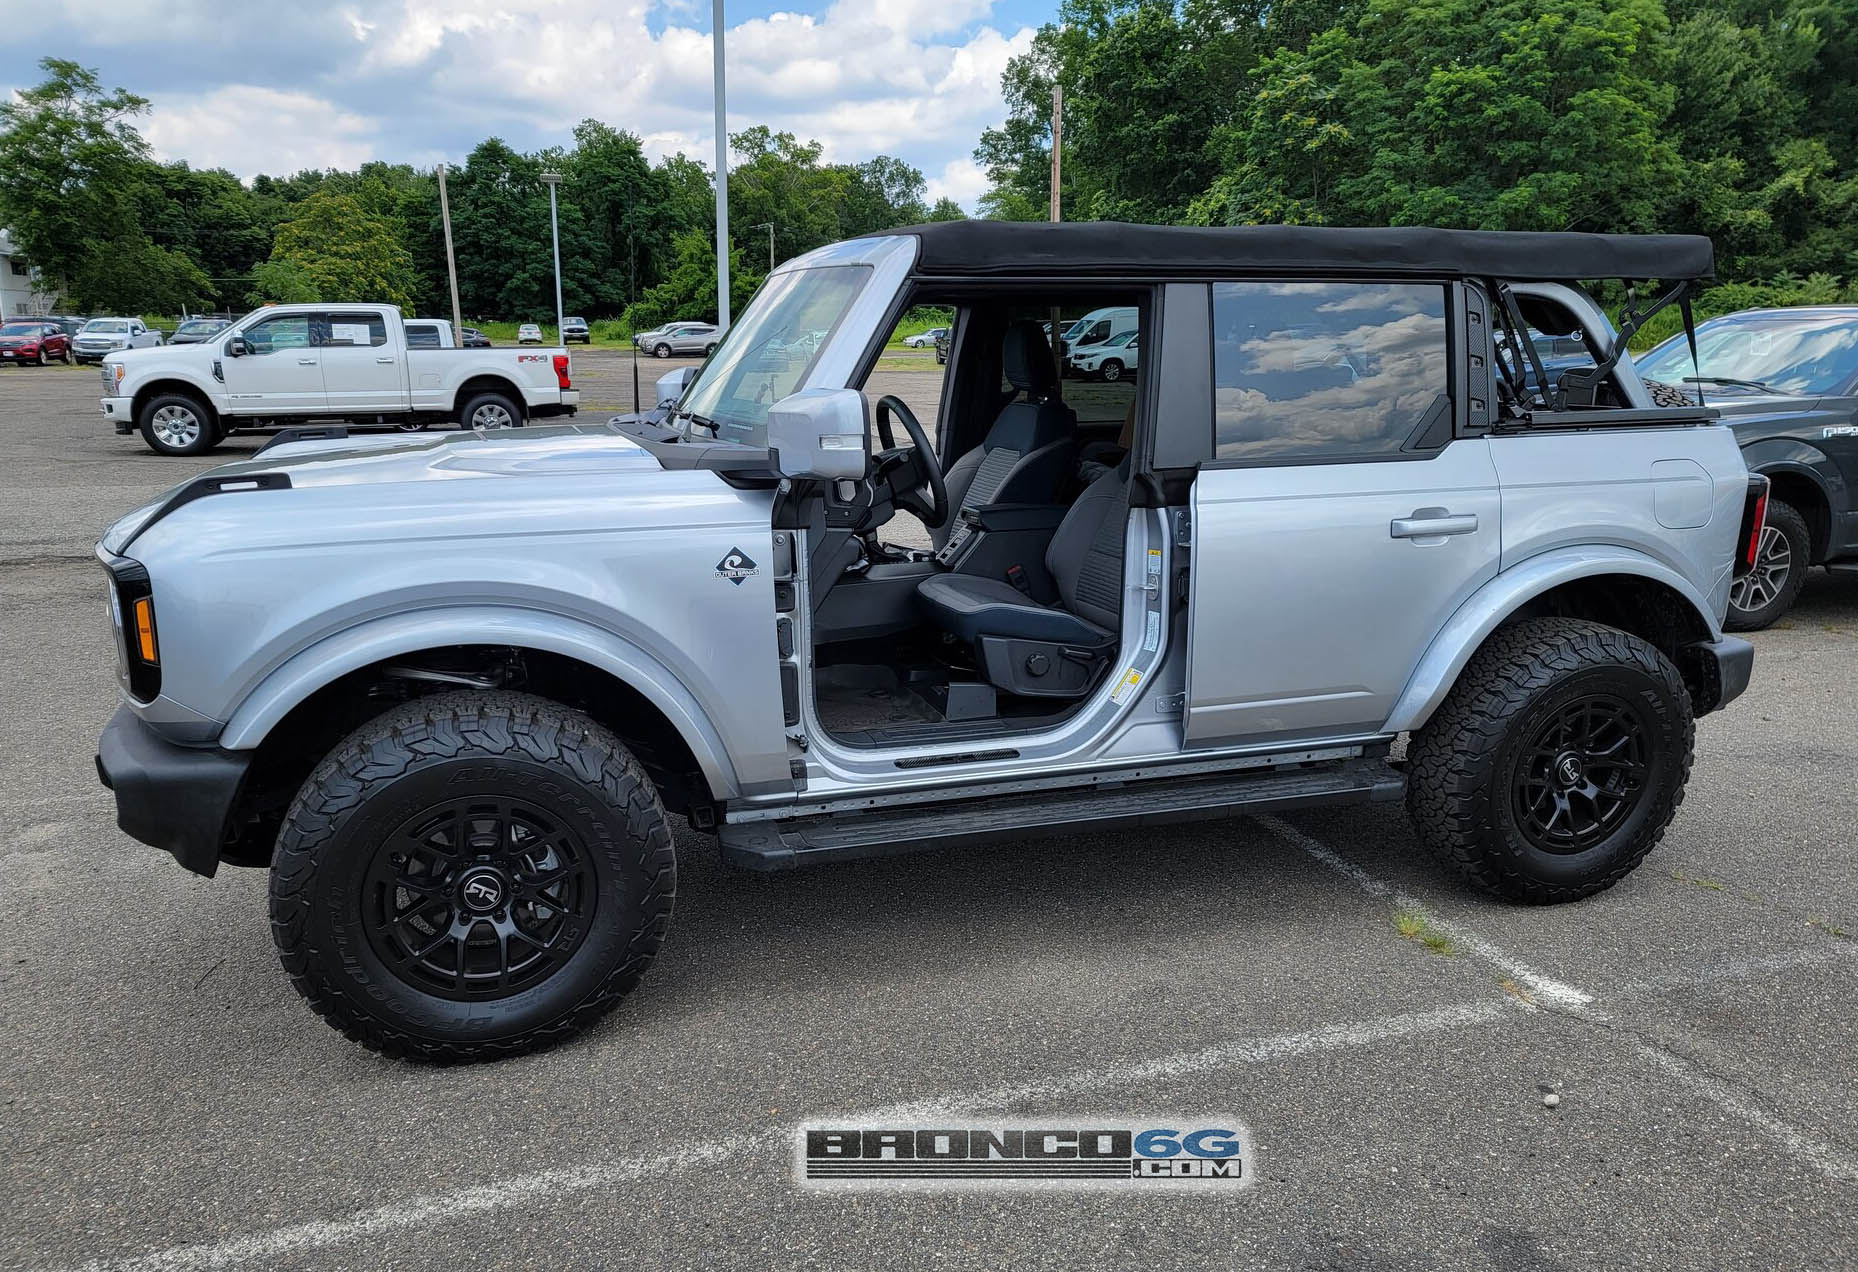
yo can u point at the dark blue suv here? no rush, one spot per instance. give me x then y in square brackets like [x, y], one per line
[1786, 380]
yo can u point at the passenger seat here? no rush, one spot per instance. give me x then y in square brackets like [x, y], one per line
[1027, 455]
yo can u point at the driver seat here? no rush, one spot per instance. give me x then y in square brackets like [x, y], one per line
[1028, 453]
[1046, 651]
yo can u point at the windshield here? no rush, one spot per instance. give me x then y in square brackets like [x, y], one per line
[116, 326]
[191, 327]
[21, 329]
[767, 355]
[1795, 354]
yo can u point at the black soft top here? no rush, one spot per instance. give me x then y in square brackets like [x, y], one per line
[1114, 248]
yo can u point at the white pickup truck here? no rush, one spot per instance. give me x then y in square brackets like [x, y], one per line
[291, 364]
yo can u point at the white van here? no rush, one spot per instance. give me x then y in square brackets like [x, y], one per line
[1095, 328]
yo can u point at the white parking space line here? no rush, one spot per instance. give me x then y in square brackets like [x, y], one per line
[1542, 988]
[1823, 1157]
[437, 1208]
[1832, 1161]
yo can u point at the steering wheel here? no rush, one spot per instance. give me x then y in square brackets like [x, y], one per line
[906, 470]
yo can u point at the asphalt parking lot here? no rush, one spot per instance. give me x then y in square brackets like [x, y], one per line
[170, 1103]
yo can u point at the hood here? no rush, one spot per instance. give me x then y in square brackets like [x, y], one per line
[568, 449]
[1757, 413]
[383, 459]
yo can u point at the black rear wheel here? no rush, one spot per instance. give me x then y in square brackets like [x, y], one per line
[472, 875]
[1555, 763]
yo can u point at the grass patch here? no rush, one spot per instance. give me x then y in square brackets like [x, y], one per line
[1415, 926]
[1699, 881]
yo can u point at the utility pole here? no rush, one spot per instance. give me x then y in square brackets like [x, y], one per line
[722, 173]
[1057, 144]
[1057, 164]
[451, 264]
[551, 180]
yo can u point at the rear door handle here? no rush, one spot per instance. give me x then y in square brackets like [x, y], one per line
[1425, 523]
[306, 362]
[386, 362]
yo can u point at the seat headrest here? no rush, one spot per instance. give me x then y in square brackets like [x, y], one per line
[1027, 359]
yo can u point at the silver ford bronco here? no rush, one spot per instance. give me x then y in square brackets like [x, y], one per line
[1343, 537]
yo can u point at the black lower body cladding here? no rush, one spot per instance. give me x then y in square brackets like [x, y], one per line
[175, 798]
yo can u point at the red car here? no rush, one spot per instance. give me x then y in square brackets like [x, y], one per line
[30, 340]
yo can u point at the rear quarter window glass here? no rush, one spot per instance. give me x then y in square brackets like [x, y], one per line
[355, 330]
[1325, 370]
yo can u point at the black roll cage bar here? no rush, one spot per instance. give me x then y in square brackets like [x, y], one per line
[1521, 347]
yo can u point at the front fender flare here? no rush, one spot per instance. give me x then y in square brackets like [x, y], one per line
[1487, 607]
[396, 635]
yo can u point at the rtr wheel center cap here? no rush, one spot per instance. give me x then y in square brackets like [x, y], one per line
[1570, 769]
[481, 891]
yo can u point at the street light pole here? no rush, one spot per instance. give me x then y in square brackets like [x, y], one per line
[769, 227]
[722, 173]
[551, 180]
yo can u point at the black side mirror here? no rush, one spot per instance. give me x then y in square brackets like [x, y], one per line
[237, 347]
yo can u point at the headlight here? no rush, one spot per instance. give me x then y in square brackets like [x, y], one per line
[116, 375]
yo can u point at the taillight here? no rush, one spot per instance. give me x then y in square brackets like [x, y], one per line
[561, 371]
[1754, 518]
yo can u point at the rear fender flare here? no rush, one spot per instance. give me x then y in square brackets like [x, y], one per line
[397, 635]
[1490, 605]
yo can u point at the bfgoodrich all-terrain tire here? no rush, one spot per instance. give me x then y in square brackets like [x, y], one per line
[472, 875]
[1760, 597]
[1555, 763]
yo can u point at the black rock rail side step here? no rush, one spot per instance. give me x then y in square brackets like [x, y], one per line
[784, 845]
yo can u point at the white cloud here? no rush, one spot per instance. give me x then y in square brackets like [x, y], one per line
[250, 129]
[408, 79]
[961, 180]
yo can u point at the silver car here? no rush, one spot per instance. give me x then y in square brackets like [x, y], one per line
[678, 338]
[1336, 521]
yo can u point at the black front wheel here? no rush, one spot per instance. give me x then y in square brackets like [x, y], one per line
[472, 875]
[1555, 763]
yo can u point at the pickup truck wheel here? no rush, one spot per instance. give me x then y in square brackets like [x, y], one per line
[472, 875]
[1760, 597]
[415, 426]
[490, 410]
[174, 424]
[1555, 763]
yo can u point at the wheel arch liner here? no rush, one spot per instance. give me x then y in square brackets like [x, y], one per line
[1491, 604]
[397, 635]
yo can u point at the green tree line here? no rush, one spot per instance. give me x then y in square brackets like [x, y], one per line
[1732, 118]
[115, 230]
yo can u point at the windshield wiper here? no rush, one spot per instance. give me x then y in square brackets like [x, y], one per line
[701, 422]
[1732, 382]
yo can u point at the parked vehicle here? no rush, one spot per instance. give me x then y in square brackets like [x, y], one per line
[1098, 327]
[34, 341]
[528, 333]
[461, 775]
[573, 329]
[678, 337]
[198, 330]
[103, 336]
[429, 333]
[1786, 380]
[293, 364]
[925, 339]
[941, 348]
[475, 339]
[1110, 360]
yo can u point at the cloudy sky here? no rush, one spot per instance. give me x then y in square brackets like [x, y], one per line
[275, 87]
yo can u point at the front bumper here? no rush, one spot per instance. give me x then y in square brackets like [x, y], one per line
[175, 798]
[119, 411]
[1718, 671]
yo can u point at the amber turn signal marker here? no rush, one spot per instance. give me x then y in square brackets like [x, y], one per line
[145, 630]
